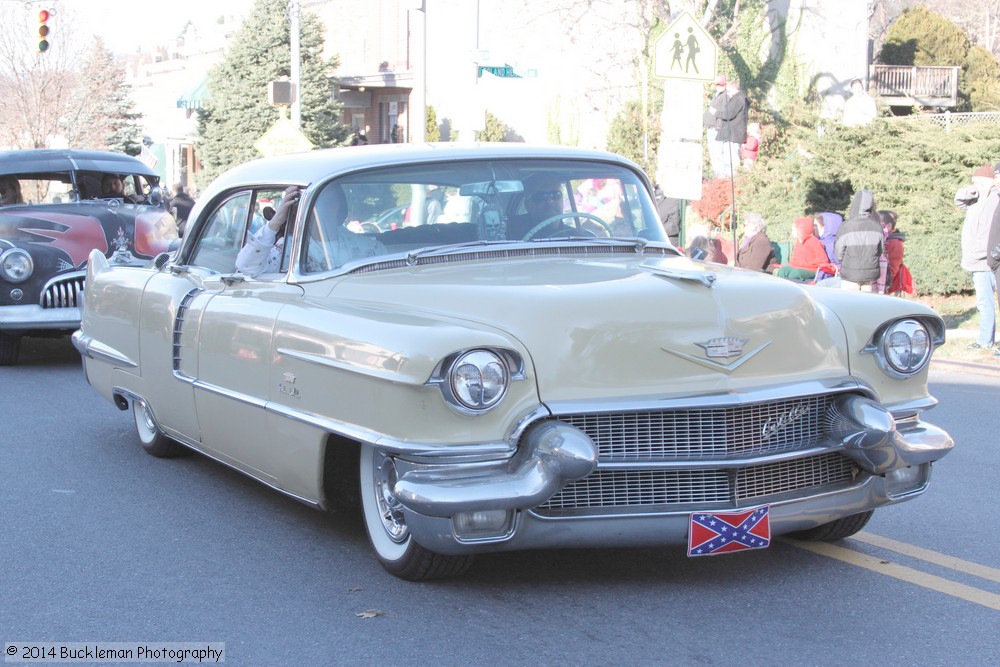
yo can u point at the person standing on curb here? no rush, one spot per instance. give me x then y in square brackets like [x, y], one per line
[993, 242]
[980, 202]
[716, 147]
[860, 245]
[733, 125]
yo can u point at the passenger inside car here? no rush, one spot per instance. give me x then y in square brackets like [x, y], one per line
[543, 198]
[263, 250]
[331, 244]
[10, 192]
[113, 187]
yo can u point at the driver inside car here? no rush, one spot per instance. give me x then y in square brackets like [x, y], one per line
[543, 198]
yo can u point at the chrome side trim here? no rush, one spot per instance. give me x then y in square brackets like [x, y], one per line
[411, 451]
[320, 360]
[92, 349]
[178, 330]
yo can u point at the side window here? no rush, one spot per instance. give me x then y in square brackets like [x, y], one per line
[333, 236]
[222, 236]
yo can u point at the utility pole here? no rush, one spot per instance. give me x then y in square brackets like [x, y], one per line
[418, 101]
[294, 14]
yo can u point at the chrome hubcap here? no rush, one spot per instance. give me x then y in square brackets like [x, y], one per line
[389, 509]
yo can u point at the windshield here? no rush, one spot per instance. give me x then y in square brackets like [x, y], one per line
[403, 209]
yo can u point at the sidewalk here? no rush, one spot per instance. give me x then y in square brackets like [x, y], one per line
[955, 366]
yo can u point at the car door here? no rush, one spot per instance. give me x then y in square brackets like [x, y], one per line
[235, 332]
[173, 303]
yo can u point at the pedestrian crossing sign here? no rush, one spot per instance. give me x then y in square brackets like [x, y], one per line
[685, 51]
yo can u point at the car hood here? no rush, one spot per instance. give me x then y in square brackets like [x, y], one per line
[126, 232]
[602, 327]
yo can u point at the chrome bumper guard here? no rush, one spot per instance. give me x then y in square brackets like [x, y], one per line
[869, 436]
[554, 453]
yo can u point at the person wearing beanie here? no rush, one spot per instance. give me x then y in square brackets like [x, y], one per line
[860, 245]
[807, 252]
[980, 202]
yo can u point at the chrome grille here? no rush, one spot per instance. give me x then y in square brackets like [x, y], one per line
[743, 430]
[768, 480]
[63, 292]
[649, 488]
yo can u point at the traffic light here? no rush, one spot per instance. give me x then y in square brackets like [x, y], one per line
[43, 30]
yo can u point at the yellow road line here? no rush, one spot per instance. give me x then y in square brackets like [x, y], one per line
[926, 555]
[901, 572]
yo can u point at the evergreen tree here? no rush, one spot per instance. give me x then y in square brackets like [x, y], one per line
[922, 38]
[100, 114]
[237, 112]
[495, 130]
[433, 131]
[625, 134]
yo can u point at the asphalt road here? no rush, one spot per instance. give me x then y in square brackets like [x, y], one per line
[100, 542]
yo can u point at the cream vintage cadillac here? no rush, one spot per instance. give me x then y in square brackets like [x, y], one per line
[542, 370]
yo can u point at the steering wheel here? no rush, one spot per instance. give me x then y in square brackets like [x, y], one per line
[568, 214]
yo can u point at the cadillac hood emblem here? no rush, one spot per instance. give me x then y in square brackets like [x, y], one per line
[718, 351]
[723, 347]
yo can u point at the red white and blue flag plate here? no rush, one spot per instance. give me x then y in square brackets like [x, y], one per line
[714, 533]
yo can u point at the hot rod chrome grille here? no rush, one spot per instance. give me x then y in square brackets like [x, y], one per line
[63, 292]
[743, 430]
[650, 488]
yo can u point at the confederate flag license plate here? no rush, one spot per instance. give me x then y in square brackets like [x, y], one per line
[714, 533]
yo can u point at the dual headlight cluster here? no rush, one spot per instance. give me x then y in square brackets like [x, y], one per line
[16, 265]
[475, 381]
[904, 347]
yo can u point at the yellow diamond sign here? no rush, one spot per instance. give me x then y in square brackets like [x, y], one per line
[282, 138]
[685, 51]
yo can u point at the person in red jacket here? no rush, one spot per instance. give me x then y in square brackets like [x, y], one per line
[899, 278]
[807, 253]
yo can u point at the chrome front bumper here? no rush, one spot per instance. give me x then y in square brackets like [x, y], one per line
[553, 453]
[32, 317]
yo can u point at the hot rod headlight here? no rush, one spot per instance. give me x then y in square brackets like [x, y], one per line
[16, 265]
[478, 380]
[905, 347]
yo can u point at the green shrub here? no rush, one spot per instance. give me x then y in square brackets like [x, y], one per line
[911, 166]
[921, 37]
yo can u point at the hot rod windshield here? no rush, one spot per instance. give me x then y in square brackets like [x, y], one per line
[405, 208]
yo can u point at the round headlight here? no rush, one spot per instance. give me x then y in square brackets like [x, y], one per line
[478, 379]
[16, 265]
[907, 346]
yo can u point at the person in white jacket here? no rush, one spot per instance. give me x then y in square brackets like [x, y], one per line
[980, 202]
[334, 247]
[262, 252]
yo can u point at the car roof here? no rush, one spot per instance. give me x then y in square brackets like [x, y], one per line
[312, 166]
[44, 160]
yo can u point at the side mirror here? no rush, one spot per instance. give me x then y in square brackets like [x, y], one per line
[156, 196]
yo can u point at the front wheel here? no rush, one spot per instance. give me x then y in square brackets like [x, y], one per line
[835, 530]
[387, 530]
[152, 440]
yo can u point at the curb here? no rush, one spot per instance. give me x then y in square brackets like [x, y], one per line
[949, 366]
